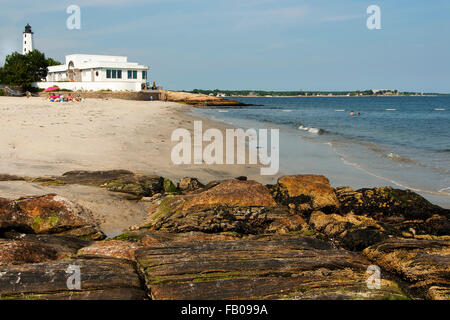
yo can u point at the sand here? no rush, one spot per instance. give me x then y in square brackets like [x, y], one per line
[42, 138]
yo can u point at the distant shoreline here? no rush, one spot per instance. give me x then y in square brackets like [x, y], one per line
[340, 96]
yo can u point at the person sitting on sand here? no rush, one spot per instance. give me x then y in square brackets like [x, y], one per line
[69, 98]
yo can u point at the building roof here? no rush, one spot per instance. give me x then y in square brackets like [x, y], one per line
[85, 61]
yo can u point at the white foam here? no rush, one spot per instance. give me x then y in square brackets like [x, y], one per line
[287, 110]
[439, 109]
[310, 130]
[339, 110]
[391, 109]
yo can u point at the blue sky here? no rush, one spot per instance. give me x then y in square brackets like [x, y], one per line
[250, 44]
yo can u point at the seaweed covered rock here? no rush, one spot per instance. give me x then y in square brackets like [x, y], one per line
[245, 207]
[384, 202]
[169, 186]
[124, 181]
[423, 264]
[189, 185]
[352, 232]
[276, 268]
[48, 214]
[94, 177]
[306, 193]
[137, 186]
[400, 211]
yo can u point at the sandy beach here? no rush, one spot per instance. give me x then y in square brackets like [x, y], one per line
[41, 138]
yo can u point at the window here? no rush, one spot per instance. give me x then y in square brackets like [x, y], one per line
[114, 74]
[132, 74]
[144, 74]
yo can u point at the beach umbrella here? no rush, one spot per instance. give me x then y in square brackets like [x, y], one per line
[51, 89]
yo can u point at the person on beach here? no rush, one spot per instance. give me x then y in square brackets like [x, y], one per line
[69, 98]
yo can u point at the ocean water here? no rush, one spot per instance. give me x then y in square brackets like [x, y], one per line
[398, 141]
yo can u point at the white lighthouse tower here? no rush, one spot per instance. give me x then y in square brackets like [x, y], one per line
[27, 40]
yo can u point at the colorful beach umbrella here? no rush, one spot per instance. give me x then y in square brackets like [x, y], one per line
[51, 89]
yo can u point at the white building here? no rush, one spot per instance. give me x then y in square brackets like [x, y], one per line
[27, 44]
[97, 72]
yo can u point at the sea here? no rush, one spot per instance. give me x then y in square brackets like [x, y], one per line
[402, 142]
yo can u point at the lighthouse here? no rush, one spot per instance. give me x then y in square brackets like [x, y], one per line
[27, 40]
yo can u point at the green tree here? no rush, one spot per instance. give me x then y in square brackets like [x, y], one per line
[24, 69]
[52, 62]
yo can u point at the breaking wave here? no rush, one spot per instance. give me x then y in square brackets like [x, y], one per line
[312, 130]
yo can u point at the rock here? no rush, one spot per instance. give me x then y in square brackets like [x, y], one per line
[169, 187]
[245, 220]
[91, 178]
[351, 232]
[94, 177]
[361, 238]
[438, 293]
[245, 207]
[423, 264]
[382, 203]
[189, 185]
[138, 186]
[232, 193]
[212, 184]
[111, 248]
[100, 278]
[23, 248]
[144, 237]
[48, 214]
[308, 192]
[8, 177]
[127, 182]
[279, 268]
[350, 200]
[399, 211]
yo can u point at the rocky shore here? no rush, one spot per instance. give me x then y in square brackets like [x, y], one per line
[229, 239]
[201, 100]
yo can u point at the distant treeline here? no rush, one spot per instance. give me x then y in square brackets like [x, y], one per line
[262, 93]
